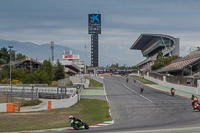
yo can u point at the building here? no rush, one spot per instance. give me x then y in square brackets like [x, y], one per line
[72, 63]
[151, 44]
[186, 66]
[28, 63]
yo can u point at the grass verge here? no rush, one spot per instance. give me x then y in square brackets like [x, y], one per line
[91, 111]
[145, 81]
[94, 84]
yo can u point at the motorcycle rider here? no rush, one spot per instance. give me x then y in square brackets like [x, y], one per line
[127, 80]
[72, 119]
[141, 88]
[195, 99]
[172, 91]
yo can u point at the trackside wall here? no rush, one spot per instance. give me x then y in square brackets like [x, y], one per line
[3, 107]
[64, 103]
[189, 89]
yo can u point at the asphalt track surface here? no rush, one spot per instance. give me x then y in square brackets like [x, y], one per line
[151, 110]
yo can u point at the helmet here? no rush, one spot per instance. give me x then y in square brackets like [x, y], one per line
[70, 117]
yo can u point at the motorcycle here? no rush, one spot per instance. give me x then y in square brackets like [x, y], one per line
[127, 80]
[141, 89]
[196, 106]
[77, 125]
[172, 92]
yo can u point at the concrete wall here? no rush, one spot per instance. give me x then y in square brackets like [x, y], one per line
[189, 89]
[3, 107]
[64, 103]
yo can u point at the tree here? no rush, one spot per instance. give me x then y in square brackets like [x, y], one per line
[48, 68]
[4, 54]
[19, 74]
[2, 61]
[37, 77]
[59, 71]
[20, 56]
[115, 65]
[162, 61]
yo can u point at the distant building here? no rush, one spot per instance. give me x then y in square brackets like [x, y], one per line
[186, 66]
[151, 44]
[72, 63]
[28, 63]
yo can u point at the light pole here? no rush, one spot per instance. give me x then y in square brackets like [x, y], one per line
[10, 74]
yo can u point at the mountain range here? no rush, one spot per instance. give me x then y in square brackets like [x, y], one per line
[41, 52]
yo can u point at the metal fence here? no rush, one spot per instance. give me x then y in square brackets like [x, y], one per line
[19, 94]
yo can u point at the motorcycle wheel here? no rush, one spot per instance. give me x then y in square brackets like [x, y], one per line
[86, 125]
[75, 127]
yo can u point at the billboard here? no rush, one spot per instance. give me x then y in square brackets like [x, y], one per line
[94, 19]
[68, 56]
[94, 23]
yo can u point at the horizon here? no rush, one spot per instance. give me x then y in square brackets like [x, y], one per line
[65, 23]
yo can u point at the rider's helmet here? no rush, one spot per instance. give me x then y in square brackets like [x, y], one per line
[70, 117]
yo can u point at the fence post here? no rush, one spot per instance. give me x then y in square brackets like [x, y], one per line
[57, 92]
[164, 78]
[198, 86]
[32, 91]
[65, 92]
[37, 96]
[6, 97]
[61, 92]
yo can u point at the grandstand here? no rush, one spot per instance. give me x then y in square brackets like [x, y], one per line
[151, 44]
[28, 63]
[186, 66]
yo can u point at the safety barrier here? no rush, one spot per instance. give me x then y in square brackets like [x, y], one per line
[194, 90]
[9, 107]
[64, 103]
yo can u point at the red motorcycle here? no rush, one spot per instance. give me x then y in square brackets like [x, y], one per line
[196, 106]
[172, 91]
[195, 102]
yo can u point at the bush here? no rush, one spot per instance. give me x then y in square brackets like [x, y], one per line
[31, 103]
[16, 81]
[54, 83]
[5, 81]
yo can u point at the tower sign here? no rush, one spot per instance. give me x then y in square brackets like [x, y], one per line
[94, 28]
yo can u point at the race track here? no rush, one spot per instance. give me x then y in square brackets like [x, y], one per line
[150, 110]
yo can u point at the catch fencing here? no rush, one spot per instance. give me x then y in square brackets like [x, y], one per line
[19, 94]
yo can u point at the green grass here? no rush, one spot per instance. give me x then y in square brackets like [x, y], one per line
[91, 111]
[145, 81]
[31, 103]
[94, 84]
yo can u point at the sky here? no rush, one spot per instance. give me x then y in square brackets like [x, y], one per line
[66, 23]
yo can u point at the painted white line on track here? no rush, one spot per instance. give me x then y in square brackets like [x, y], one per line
[137, 93]
[107, 99]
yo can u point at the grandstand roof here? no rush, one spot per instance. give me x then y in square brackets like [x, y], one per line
[181, 63]
[144, 39]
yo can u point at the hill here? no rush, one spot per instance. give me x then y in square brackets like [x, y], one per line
[40, 52]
